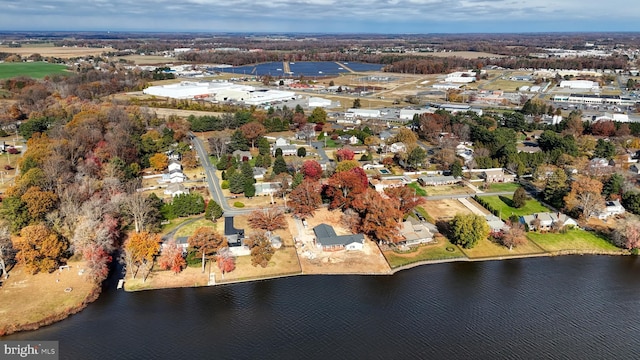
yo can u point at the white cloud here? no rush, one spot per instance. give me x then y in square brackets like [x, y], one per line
[316, 15]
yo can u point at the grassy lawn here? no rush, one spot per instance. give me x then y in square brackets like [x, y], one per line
[36, 70]
[501, 203]
[436, 251]
[419, 190]
[571, 240]
[190, 228]
[499, 187]
[426, 215]
[488, 248]
[284, 261]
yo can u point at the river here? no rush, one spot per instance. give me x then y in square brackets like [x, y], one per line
[573, 307]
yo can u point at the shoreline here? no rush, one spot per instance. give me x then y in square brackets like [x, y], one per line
[53, 318]
[393, 271]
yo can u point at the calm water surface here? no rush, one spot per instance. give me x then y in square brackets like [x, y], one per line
[583, 307]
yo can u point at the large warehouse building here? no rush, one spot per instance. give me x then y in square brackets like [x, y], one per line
[219, 91]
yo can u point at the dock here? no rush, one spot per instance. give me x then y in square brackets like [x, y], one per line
[285, 67]
[345, 67]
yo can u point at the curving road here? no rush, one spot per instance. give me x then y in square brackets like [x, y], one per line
[212, 180]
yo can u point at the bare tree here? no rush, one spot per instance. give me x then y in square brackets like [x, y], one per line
[7, 252]
[218, 143]
[137, 205]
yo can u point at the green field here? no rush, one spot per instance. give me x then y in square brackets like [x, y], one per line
[571, 240]
[36, 70]
[419, 190]
[500, 187]
[501, 203]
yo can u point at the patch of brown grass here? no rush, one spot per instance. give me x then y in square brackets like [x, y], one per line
[29, 301]
[55, 51]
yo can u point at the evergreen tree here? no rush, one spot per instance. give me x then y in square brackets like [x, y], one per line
[249, 190]
[279, 166]
[302, 152]
[519, 198]
[213, 211]
[278, 152]
[456, 169]
[263, 146]
[247, 173]
[238, 142]
[236, 183]
[297, 180]
[556, 189]
[613, 186]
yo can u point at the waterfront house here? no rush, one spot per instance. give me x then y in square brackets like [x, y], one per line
[415, 233]
[234, 236]
[327, 240]
[611, 208]
[547, 220]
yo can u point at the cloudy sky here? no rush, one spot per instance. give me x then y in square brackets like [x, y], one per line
[336, 16]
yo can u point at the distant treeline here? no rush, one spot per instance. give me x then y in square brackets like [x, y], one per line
[439, 65]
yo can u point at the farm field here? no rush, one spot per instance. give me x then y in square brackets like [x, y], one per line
[36, 70]
[55, 51]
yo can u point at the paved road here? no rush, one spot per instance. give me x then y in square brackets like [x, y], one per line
[463, 196]
[212, 180]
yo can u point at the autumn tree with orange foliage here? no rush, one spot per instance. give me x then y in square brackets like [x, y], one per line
[311, 169]
[305, 198]
[207, 242]
[344, 187]
[406, 198]
[226, 261]
[171, 257]
[379, 217]
[159, 161]
[585, 195]
[252, 131]
[261, 249]
[40, 249]
[38, 202]
[344, 154]
[268, 219]
[140, 251]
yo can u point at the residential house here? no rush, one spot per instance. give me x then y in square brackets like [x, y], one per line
[309, 134]
[175, 189]
[174, 176]
[496, 225]
[437, 180]
[234, 236]
[385, 135]
[415, 233]
[497, 175]
[259, 173]
[397, 147]
[388, 182]
[356, 149]
[267, 188]
[174, 165]
[545, 221]
[181, 242]
[285, 146]
[612, 208]
[327, 239]
[349, 139]
[241, 155]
